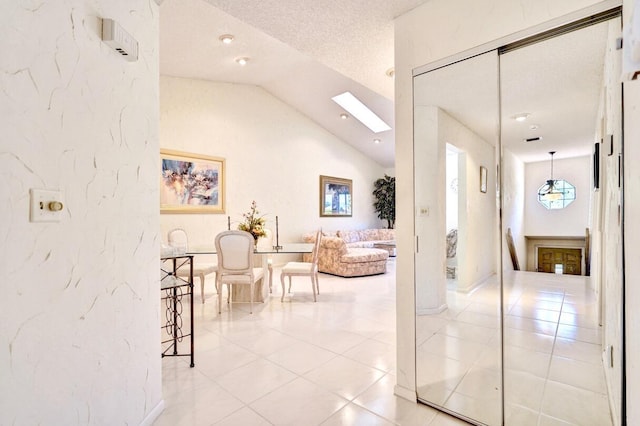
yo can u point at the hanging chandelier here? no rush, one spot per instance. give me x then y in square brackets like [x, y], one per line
[556, 193]
[548, 189]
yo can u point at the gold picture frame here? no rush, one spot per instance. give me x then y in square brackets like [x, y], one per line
[335, 197]
[191, 183]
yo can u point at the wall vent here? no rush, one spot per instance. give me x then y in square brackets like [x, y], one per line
[536, 139]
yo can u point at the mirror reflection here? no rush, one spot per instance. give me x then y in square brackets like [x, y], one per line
[518, 321]
[458, 312]
[554, 107]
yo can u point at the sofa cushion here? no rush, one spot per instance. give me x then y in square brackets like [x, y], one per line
[387, 234]
[350, 236]
[369, 234]
[360, 255]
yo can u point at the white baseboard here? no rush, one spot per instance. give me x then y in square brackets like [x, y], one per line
[431, 311]
[153, 414]
[405, 393]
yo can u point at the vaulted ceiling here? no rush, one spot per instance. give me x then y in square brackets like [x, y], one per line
[303, 52]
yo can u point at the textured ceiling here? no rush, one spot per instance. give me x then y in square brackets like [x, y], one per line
[303, 52]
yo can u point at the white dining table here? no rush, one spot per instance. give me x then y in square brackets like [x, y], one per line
[241, 293]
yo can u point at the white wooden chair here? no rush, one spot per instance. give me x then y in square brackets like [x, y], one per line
[178, 238]
[304, 269]
[235, 263]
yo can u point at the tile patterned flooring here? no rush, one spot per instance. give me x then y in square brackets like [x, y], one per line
[333, 362]
[553, 367]
[295, 362]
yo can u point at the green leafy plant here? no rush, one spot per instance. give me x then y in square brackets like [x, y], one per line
[385, 204]
[253, 223]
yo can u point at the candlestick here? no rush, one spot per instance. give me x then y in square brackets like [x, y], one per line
[277, 246]
[228, 223]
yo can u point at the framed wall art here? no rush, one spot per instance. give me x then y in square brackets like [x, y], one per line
[335, 196]
[191, 183]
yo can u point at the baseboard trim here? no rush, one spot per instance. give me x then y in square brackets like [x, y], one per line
[153, 414]
[431, 311]
[408, 394]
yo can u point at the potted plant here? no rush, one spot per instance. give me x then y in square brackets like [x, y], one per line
[385, 204]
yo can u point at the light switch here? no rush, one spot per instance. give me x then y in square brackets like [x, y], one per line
[46, 205]
[423, 211]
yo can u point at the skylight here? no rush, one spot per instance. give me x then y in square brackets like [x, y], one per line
[360, 111]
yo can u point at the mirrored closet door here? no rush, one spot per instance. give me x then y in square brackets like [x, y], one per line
[518, 278]
[458, 360]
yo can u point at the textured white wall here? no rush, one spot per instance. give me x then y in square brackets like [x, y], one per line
[432, 32]
[274, 155]
[79, 336]
[573, 219]
[513, 195]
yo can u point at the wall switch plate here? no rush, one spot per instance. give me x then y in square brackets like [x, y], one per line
[46, 205]
[422, 211]
[120, 40]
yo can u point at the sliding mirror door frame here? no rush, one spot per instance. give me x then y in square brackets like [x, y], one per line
[424, 213]
[456, 137]
[571, 326]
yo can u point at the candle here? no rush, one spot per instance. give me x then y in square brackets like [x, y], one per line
[277, 236]
[229, 223]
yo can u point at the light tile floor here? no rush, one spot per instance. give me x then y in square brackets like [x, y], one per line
[553, 368]
[296, 362]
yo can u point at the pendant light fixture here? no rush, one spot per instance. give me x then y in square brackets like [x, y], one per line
[556, 193]
[550, 185]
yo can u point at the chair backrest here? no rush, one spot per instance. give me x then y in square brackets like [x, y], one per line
[235, 252]
[178, 238]
[316, 249]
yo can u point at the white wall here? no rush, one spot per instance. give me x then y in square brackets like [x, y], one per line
[476, 234]
[431, 32]
[79, 336]
[451, 193]
[274, 155]
[573, 219]
[513, 201]
[632, 236]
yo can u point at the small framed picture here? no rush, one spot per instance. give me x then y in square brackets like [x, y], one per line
[335, 196]
[483, 179]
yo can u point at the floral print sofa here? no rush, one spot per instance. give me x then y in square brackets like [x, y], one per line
[350, 253]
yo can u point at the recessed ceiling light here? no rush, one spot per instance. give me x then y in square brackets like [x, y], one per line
[391, 72]
[360, 111]
[226, 38]
[521, 117]
[376, 141]
[344, 116]
[534, 127]
[242, 61]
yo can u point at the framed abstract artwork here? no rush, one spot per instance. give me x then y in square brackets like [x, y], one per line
[191, 183]
[335, 196]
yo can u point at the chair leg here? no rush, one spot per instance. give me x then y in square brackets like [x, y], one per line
[202, 287]
[219, 289]
[252, 286]
[290, 283]
[270, 269]
[282, 282]
[313, 287]
[317, 283]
